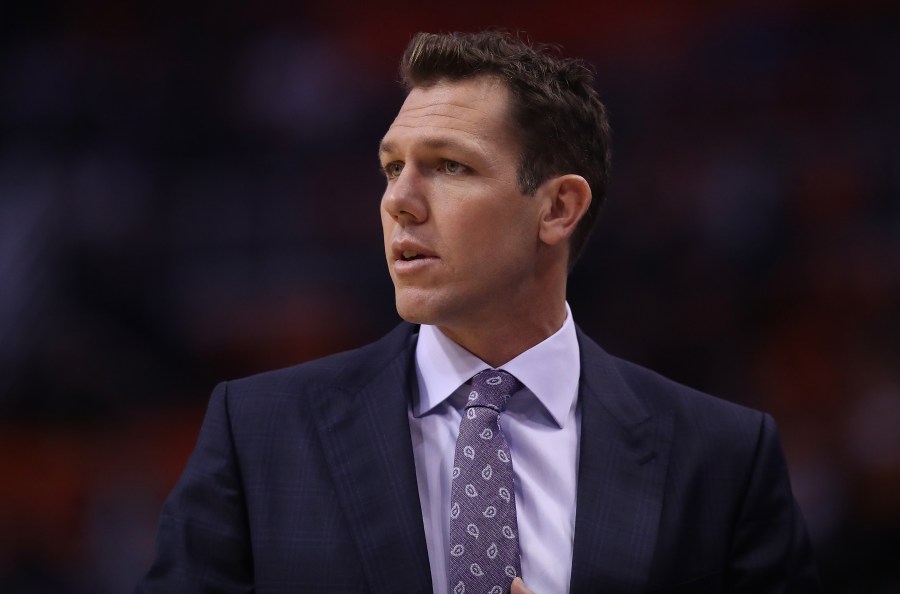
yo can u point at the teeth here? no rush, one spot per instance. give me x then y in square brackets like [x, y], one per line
[407, 255]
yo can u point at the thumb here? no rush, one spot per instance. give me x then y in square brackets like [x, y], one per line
[518, 587]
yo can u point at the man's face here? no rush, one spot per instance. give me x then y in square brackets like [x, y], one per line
[460, 238]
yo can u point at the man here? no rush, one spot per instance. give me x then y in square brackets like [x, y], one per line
[359, 472]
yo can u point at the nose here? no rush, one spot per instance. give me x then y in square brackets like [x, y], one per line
[405, 198]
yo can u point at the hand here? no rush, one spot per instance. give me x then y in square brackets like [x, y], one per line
[518, 587]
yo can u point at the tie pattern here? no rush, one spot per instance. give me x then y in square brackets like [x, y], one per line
[484, 535]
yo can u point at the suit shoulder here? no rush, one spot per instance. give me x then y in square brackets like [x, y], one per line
[689, 406]
[345, 370]
[710, 436]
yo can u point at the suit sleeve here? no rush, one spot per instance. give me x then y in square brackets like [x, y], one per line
[203, 543]
[771, 552]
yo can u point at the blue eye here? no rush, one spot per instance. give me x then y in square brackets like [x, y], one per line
[454, 167]
[392, 170]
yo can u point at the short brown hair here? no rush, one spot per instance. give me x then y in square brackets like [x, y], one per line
[562, 124]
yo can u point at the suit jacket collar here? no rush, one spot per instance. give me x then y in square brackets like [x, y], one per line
[621, 478]
[621, 475]
[366, 440]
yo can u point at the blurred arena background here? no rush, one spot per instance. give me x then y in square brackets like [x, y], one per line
[189, 193]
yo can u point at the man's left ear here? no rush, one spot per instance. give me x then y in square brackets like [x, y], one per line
[567, 199]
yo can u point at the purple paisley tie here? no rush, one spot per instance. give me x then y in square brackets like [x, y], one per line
[484, 536]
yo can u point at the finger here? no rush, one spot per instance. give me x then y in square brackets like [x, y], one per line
[518, 587]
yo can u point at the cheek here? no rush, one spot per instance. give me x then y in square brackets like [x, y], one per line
[482, 243]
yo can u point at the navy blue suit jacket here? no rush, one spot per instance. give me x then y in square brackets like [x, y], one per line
[302, 480]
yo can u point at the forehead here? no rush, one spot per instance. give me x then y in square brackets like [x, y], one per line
[467, 110]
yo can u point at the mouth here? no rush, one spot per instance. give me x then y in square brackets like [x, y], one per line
[411, 258]
[408, 251]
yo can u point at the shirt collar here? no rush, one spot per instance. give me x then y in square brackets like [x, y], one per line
[550, 370]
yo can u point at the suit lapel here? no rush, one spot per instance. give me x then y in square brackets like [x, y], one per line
[621, 477]
[366, 440]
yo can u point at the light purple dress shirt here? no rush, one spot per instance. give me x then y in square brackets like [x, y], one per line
[542, 426]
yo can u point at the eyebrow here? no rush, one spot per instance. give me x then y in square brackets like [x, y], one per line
[431, 142]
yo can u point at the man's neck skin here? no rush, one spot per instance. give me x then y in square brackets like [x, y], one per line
[500, 339]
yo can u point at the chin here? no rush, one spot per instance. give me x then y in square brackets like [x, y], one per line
[413, 315]
[416, 308]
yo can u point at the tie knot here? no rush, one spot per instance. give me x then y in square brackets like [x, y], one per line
[492, 388]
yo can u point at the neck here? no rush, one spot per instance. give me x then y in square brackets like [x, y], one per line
[498, 341]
